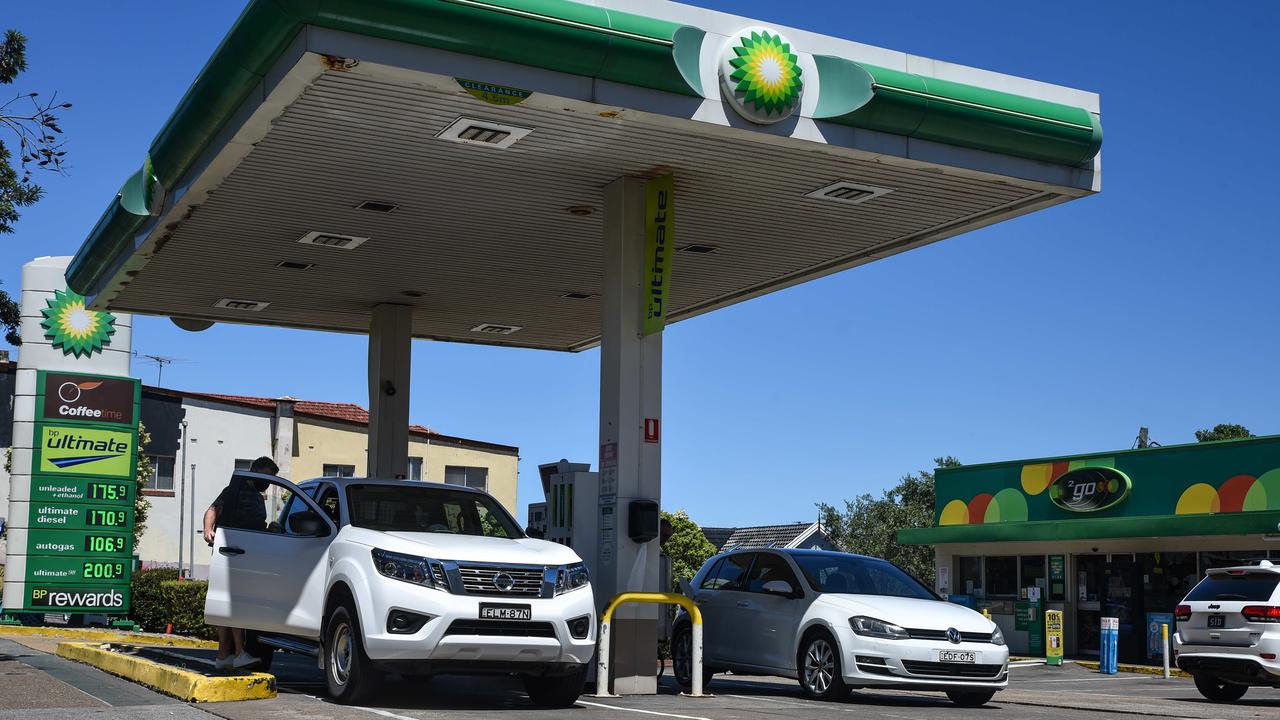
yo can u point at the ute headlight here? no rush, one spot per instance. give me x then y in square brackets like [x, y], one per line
[871, 627]
[997, 637]
[409, 568]
[571, 577]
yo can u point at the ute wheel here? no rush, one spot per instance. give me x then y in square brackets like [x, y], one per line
[819, 664]
[1219, 691]
[264, 653]
[558, 691]
[349, 673]
[682, 659]
[971, 698]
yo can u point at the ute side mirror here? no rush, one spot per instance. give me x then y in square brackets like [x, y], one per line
[779, 587]
[308, 523]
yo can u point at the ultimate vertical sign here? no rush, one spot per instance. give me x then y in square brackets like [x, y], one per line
[658, 247]
[83, 485]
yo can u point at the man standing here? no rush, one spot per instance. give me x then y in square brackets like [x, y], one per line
[242, 504]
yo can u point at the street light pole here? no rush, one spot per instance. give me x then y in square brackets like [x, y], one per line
[182, 500]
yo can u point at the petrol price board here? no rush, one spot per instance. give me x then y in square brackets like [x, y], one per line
[83, 485]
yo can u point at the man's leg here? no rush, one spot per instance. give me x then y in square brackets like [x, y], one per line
[225, 643]
[237, 635]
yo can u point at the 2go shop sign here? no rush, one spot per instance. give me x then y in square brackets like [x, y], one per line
[91, 398]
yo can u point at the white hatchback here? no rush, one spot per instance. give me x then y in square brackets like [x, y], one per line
[836, 622]
[1229, 631]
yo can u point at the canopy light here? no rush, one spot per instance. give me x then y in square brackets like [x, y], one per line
[494, 329]
[294, 265]
[848, 192]
[578, 295]
[234, 304]
[698, 249]
[483, 132]
[378, 207]
[333, 240]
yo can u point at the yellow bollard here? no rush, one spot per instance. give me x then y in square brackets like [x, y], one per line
[1164, 647]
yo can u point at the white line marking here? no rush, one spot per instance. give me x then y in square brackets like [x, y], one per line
[1026, 663]
[634, 710]
[1092, 679]
[383, 713]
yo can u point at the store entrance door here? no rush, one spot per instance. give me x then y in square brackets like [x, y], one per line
[1109, 586]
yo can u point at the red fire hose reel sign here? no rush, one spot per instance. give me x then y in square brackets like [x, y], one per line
[651, 430]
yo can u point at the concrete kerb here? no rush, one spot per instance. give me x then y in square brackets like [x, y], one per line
[102, 635]
[185, 685]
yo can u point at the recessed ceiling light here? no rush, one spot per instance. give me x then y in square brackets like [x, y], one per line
[412, 293]
[333, 240]
[697, 249]
[234, 304]
[378, 207]
[849, 193]
[578, 295]
[294, 265]
[580, 210]
[471, 131]
[495, 329]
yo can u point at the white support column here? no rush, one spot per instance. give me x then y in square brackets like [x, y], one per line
[630, 467]
[390, 345]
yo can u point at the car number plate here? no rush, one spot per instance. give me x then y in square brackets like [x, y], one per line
[1217, 621]
[505, 612]
[956, 656]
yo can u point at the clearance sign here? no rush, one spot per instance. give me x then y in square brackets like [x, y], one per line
[658, 249]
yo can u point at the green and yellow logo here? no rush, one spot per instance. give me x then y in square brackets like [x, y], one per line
[761, 76]
[78, 331]
[85, 451]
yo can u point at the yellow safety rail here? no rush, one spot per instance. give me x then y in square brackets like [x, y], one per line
[602, 663]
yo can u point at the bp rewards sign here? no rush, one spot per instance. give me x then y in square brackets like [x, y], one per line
[83, 486]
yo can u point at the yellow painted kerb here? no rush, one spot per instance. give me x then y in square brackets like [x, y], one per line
[182, 684]
[105, 635]
[654, 598]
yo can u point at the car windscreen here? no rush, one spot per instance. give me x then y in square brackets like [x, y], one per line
[1255, 586]
[860, 576]
[397, 508]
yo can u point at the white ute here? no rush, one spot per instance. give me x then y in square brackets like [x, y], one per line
[380, 576]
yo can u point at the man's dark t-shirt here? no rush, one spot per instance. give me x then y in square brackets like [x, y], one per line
[241, 506]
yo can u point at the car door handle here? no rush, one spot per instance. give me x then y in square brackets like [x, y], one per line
[231, 551]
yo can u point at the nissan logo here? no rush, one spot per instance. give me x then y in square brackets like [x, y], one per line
[505, 582]
[954, 636]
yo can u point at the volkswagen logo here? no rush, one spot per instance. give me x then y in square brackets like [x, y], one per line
[954, 636]
[505, 582]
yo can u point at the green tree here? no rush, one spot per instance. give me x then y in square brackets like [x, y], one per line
[30, 121]
[687, 547]
[1223, 431]
[869, 525]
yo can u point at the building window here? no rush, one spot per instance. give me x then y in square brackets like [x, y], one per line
[1002, 576]
[968, 576]
[415, 468]
[476, 478]
[243, 464]
[338, 470]
[161, 473]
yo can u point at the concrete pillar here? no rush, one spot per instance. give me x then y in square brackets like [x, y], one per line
[630, 467]
[283, 431]
[390, 344]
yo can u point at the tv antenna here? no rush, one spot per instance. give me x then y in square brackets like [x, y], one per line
[160, 361]
[1144, 439]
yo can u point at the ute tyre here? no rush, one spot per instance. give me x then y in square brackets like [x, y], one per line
[558, 691]
[1218, 691]
[348, 672]
[971, 698]
[682, 659]
[820, 673]
[264, 653]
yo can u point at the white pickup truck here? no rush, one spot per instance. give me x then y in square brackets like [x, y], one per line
[379, 576]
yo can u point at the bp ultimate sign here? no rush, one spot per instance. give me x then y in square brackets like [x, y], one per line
[79, 536]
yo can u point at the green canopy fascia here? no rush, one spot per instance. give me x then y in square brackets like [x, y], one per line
[1245, 523]
[567, 37]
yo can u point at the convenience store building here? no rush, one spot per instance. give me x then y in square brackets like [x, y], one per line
[1122, 534]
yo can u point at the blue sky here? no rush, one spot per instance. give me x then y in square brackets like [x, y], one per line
[1153, 303]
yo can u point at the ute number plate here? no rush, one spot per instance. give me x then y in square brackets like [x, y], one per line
[1217, 621]
[505, 612]
[956, 656]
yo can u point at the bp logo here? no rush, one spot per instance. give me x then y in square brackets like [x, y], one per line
[78, 331]
[761, 76]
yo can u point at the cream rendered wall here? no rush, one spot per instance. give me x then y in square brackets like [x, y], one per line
[321, 442]
[217, 434]
[502, 466]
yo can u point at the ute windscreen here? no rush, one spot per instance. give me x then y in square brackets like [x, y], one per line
[1251, 587]
[397, 508]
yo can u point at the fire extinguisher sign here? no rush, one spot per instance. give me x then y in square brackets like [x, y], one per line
[652, 434]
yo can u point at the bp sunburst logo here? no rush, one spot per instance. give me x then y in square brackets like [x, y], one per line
[761, 75]
[77, 330]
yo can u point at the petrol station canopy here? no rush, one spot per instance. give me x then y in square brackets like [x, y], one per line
[451, 155]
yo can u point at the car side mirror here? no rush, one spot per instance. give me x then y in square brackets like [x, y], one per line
[779, 587]
[308, 523]
[535, 533]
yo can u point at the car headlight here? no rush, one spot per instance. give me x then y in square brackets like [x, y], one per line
[871, 627]
[997, 637]
[571, 577]
[409, 568]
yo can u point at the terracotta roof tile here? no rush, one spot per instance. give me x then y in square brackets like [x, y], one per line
[348, 412]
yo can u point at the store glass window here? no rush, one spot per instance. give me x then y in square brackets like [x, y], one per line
[1002, 576]
[1228, 558]
[968, 577]
[1031, 573]
[161, 473]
